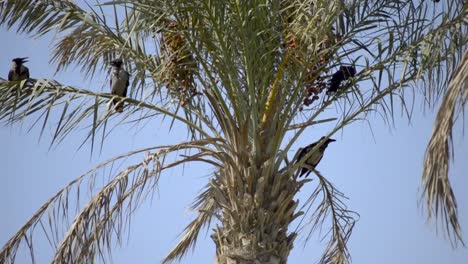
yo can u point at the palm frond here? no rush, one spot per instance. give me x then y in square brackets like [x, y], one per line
[39, 98]
[86, 38]
[438, 194]
[106, 214]
[207, 207]
[245, 76]
[342, 220]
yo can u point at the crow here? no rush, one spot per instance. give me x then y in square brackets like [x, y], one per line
[119, 82]
[343, 74]
[18, 71]
[314, 158]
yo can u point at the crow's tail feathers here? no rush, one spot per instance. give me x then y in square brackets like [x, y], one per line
[304, 171]
[117, 105]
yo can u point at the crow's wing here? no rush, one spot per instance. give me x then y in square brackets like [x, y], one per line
[305, 171]
[10, 75]
[125, 91]
[114, 83]
[338, 76]
[335, 81]
[126, 84]
[298, 155]
[348, 72]
[301, 152]
[306, 150]
[26, 72]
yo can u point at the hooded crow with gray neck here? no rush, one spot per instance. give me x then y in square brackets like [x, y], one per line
[18, 71]
[313, 159]
[119, 82]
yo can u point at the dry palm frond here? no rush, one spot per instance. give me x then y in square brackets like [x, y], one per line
[440, 199]
[342, 220]
[106, 214]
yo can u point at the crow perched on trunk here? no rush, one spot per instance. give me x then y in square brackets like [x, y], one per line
[119, 82]
[313, 159]
[343, 74]
[18, 71]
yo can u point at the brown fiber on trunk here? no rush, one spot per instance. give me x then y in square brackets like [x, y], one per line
[254, 224]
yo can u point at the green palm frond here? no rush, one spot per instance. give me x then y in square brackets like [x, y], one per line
[86, 38]
[38, 98]
[246, 78]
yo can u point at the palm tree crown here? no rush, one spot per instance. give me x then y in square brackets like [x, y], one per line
[246, 78]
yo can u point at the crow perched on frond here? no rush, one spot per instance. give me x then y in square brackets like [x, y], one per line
[315, 158]
[18, 71]
[343, 74]
[119, 82]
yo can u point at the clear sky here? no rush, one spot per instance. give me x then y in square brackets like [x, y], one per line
[378, 170]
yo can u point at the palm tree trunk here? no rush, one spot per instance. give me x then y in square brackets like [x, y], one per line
[254, 228]
[242, 248]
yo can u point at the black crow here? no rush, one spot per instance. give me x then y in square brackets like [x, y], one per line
[343, 74]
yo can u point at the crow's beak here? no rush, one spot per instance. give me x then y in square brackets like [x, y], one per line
[331, 140]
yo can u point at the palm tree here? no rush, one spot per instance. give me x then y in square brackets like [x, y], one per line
[242, 76]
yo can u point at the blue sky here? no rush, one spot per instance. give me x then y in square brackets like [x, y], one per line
[380, 175]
